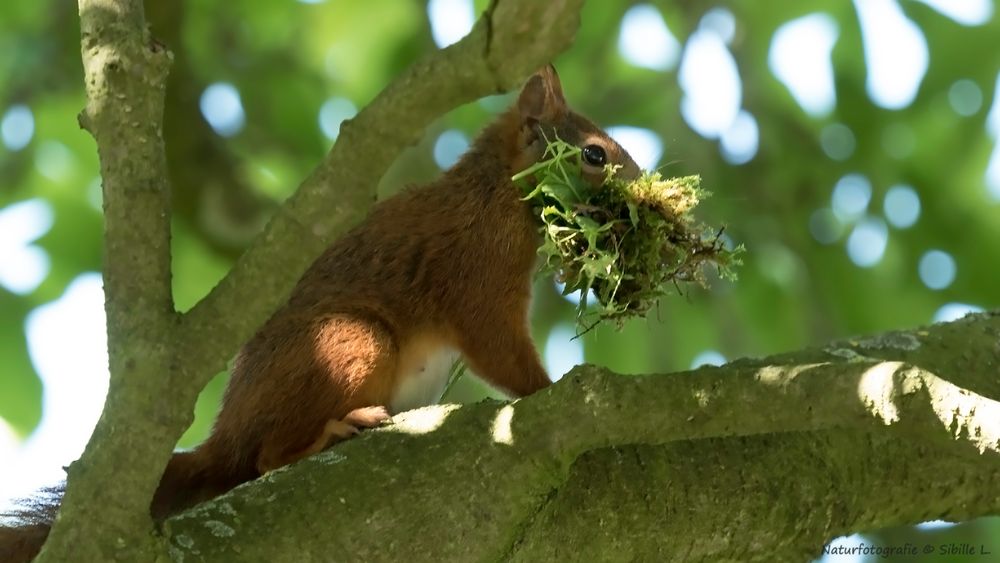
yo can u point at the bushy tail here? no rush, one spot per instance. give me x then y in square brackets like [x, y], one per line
[24, 529]
[187, 481]
[190, 478]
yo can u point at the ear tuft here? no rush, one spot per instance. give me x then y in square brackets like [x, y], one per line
[541, 99]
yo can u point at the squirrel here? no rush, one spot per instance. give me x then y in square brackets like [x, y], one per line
[373, 325]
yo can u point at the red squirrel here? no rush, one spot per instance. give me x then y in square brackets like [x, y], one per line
[371, 327]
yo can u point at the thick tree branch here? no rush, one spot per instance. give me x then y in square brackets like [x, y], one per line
[493, 480]
[506, 45]
[759, 498]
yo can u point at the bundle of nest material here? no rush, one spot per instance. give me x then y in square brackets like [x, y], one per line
[627, 242]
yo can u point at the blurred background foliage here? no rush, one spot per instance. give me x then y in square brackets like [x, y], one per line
[850, 147]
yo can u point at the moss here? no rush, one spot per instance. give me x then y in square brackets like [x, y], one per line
[630, 243]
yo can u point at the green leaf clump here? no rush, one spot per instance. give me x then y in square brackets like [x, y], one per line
[630, 243]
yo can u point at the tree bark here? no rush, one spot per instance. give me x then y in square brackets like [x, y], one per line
[762, 460]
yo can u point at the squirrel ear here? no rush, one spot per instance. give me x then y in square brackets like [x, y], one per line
[542, 98]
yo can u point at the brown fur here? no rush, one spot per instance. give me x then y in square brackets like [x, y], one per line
[446, 264]
[21, 544]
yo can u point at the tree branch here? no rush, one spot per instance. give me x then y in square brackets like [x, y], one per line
[758, 498]
[823, 427]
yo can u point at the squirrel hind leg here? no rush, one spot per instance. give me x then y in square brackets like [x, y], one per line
[353, 371]
[335, 430]
[367, 417]
[338, 430]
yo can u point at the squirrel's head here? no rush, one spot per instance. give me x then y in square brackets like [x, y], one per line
[543, 113]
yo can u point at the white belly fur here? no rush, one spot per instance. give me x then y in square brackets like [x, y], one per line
[423, 380]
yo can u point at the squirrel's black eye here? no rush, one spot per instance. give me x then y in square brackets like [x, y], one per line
[594, 155]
